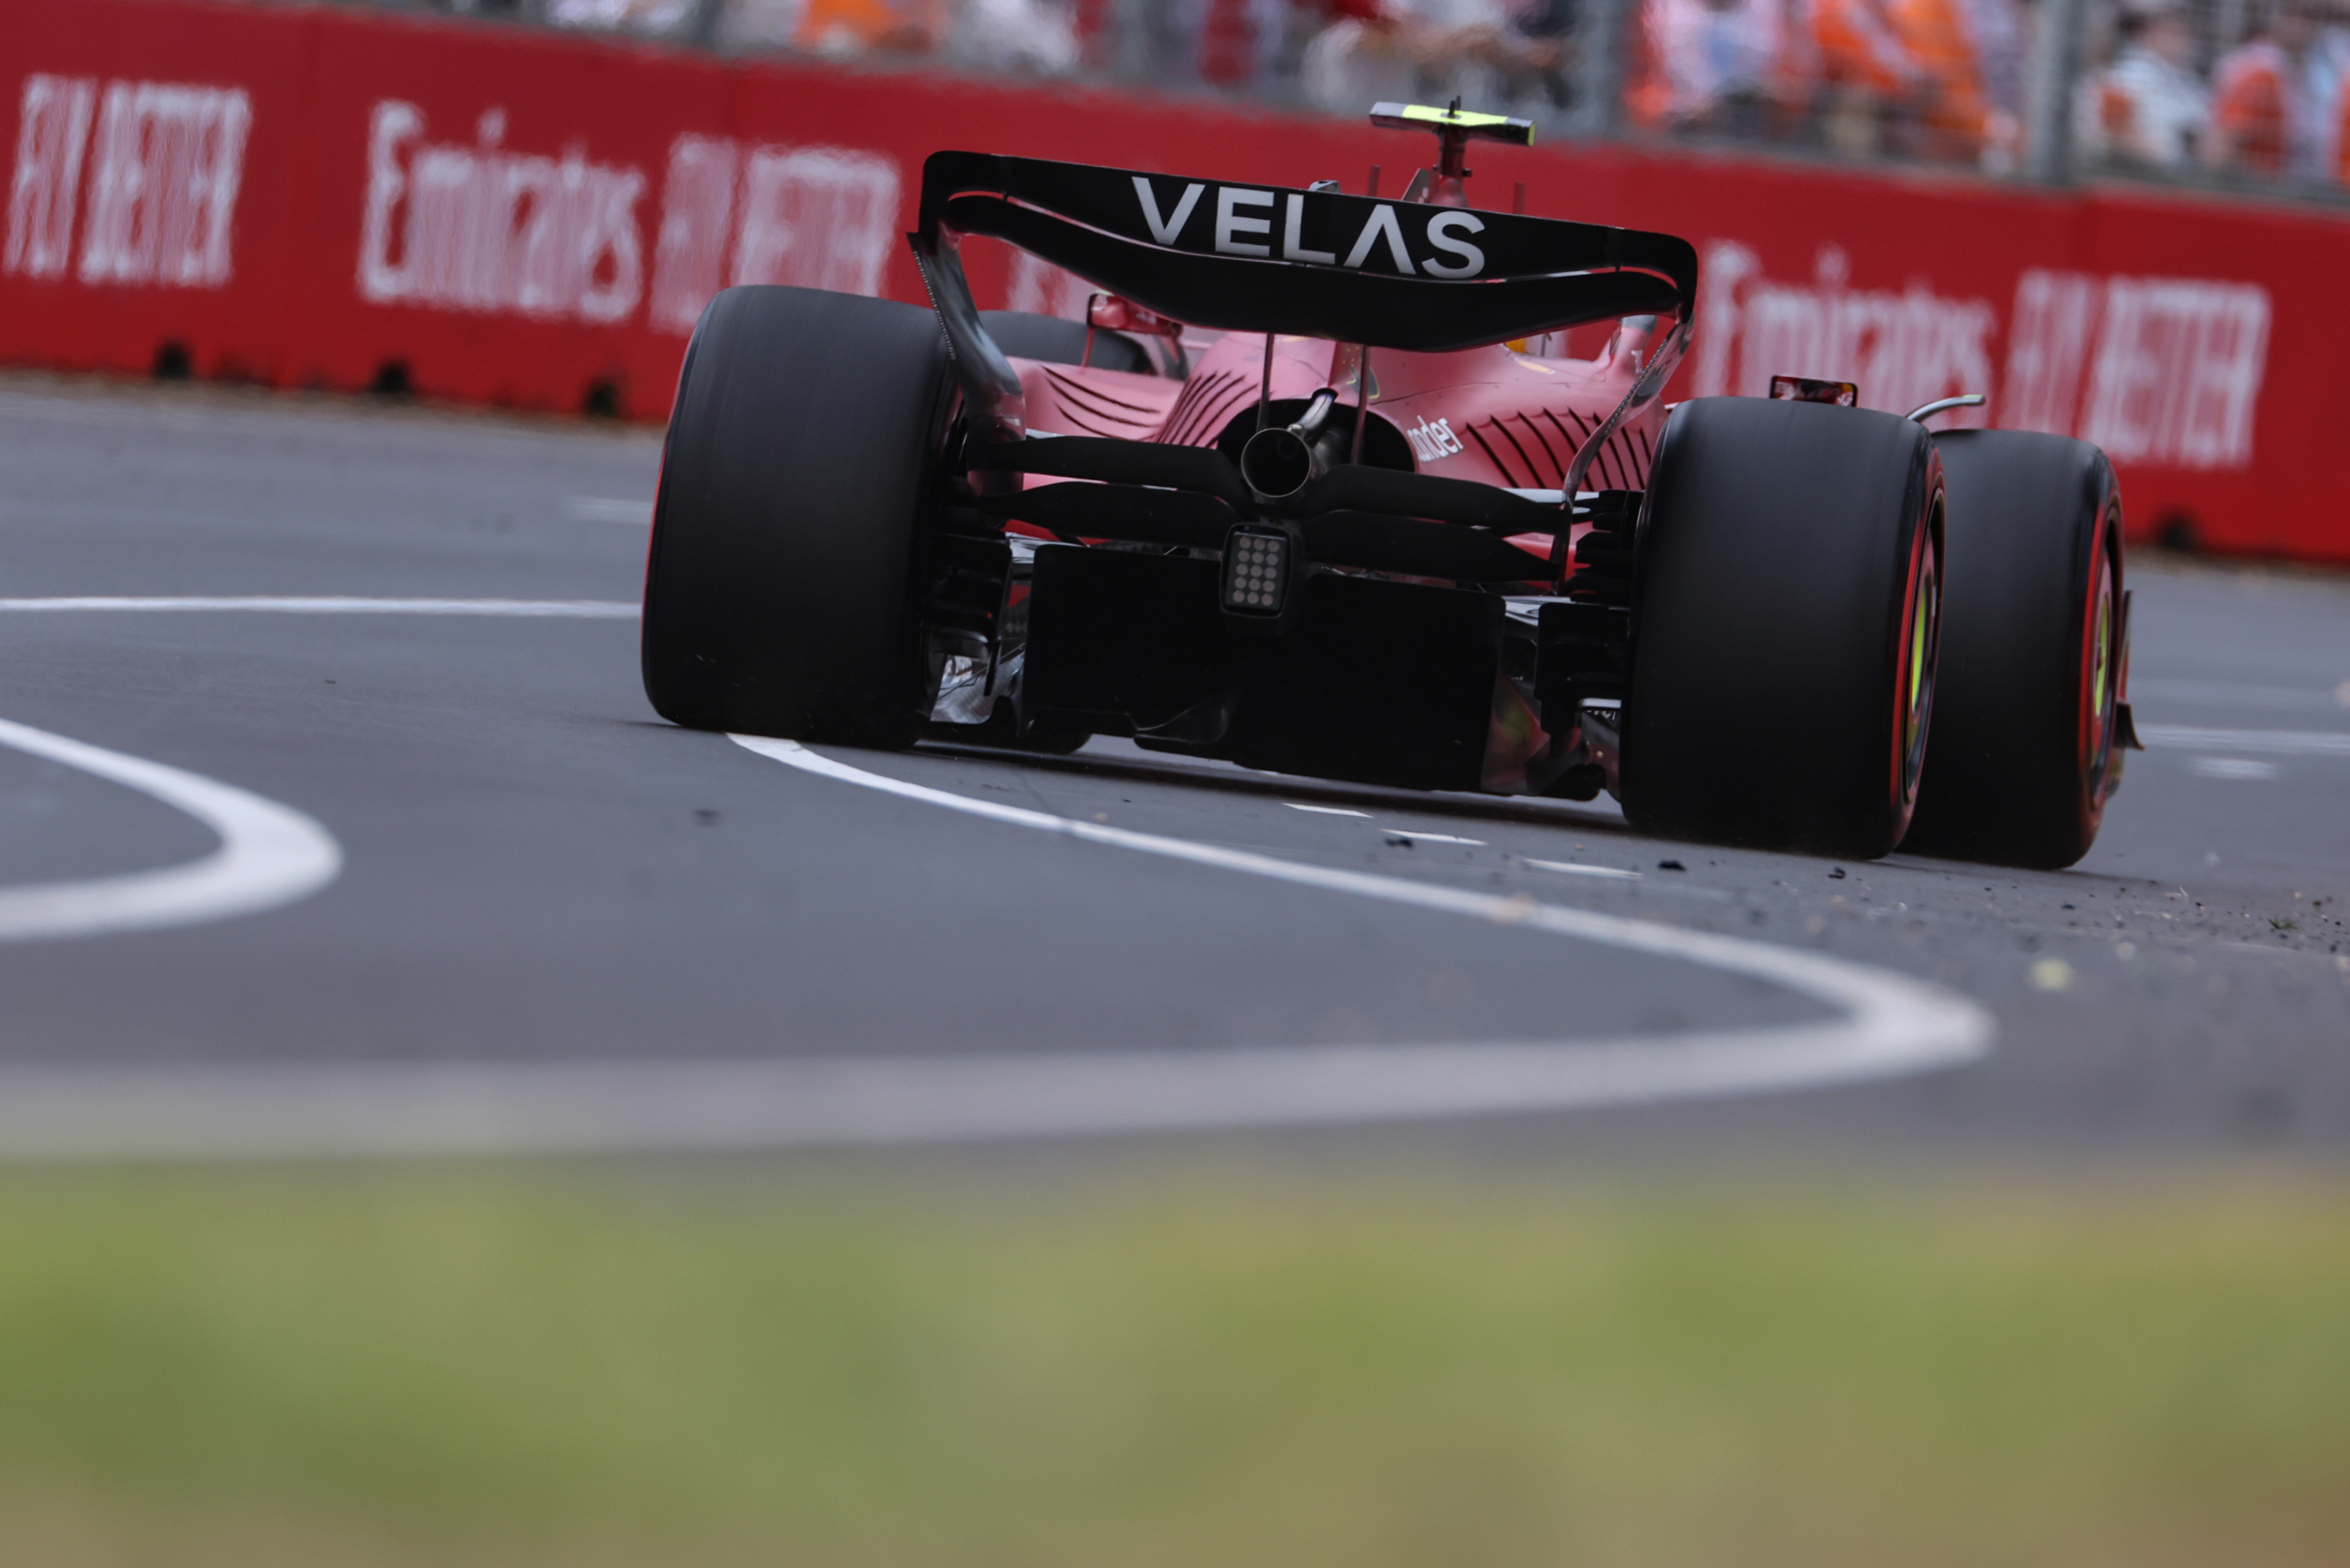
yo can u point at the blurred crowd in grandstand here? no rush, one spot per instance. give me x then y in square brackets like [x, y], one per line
[2271, 103]
[2253, 89]
[2242, 88]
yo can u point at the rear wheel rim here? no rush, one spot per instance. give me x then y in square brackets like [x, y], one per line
[2100, 661]
[1913, 672]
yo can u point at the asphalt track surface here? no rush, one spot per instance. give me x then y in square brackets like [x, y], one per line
[475, 871]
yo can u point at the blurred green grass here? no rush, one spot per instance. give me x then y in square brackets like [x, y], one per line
[830, 1365]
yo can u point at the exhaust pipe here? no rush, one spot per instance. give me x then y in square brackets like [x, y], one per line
[1277, 463]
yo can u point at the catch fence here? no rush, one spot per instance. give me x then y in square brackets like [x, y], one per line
[2221, 95]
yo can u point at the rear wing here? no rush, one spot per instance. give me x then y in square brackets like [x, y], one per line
[1268, 258]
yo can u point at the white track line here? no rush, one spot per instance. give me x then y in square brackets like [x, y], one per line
[269, 855]
[270, 604]
[611, 509]
[2230, 694]
[2282, 742]
[1577, 868]
[1892, 1025]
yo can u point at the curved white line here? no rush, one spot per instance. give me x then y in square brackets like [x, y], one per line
[1892, 1025]
[269, 855]
[283, 604]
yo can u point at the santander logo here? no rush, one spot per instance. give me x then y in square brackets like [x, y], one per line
[1432, 442]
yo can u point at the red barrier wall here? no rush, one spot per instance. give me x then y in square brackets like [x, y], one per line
[311, 197]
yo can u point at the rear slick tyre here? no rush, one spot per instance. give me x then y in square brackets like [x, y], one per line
[2023, 755]
[797, 482]
[1785, 627]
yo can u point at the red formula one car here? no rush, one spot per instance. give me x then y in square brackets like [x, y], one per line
[1349, 519]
